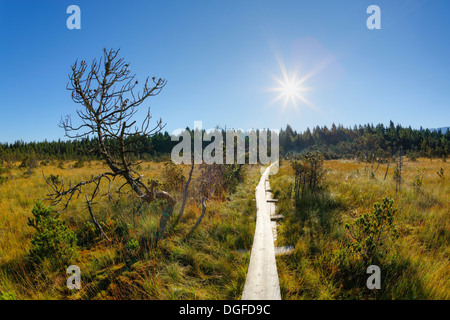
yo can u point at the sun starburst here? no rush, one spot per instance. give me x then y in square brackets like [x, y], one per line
[291, 89]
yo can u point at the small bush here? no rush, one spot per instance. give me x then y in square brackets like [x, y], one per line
[29, 163]
[88, 233]
[53, 239]
[44, 163]
[370, 231]
[132, 247]
[173, 177]
[79, 164]
[412, 156]
[417, 183]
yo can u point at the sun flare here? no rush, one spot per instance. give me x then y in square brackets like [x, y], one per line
[291, 89]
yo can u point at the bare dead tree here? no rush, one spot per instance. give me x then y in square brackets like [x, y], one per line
[106, 90]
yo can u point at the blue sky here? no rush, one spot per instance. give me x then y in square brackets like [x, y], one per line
[221, 57]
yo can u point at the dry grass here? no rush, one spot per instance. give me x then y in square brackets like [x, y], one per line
[417, 266]
[206, 266]
[209, 265]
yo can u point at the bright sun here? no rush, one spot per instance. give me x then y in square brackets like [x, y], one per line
[291, 89]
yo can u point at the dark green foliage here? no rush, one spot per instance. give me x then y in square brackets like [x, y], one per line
[337, 142]
[79, 164]
[30, 162]
[88, 234]
[115, 229]
[412, 156]
[340, 142]
[132, 247]
[53, 239]
[371, 231]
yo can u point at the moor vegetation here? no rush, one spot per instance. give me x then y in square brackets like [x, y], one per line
[37, 244]
[342, 217]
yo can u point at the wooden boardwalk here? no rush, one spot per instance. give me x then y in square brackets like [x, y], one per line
[262, 276]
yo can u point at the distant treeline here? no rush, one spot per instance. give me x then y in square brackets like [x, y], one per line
[366, 141]
[148, 148]
[335, 142]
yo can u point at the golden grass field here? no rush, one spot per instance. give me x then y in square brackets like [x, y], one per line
[212, 265]
[417, 266]
[209, 265]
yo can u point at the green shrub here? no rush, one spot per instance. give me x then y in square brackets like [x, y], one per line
[370, 231]
[53, 239]
[88, 233]
[132, 247]
[417, 183]
[29, 163]
[79, 164]
[44, 163]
